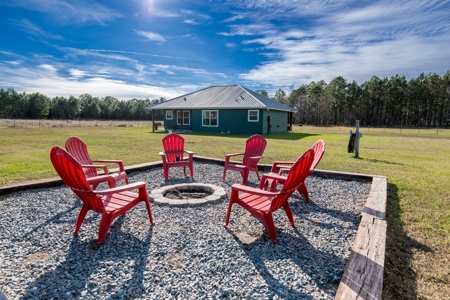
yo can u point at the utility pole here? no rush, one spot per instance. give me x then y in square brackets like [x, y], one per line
[357, 140]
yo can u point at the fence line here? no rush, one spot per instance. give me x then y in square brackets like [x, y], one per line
[369, 129]
[75, 123]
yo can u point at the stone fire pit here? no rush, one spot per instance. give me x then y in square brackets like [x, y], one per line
[187, 193]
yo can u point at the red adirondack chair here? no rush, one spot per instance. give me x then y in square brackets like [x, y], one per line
[173, 155]
[274, 180]
[262, 203]
[78, 149]
[111, 203]
[254, 148]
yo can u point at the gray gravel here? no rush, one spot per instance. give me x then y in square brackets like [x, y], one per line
[188, 254]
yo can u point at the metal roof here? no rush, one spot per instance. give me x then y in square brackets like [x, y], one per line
[222, 97]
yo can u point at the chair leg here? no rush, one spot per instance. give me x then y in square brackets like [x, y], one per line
[81, 216]
[303, 191]
[244, 176]
[105, 223]
[166, 172]
[257, 174]
[224, 173]
[191, 169]
[270, 226]
[126, 180]
[232, 197]
[288, 211]
[144, 196]
[184, 169]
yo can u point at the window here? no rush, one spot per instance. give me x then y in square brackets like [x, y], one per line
[210, 118]
[186, 117]
[253, 115]
[169, 115]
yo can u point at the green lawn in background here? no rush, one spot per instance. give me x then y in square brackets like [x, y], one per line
[416, 162]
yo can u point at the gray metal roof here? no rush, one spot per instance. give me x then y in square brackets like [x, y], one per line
[222, 97]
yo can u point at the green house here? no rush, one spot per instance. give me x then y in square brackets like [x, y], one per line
[226, 109]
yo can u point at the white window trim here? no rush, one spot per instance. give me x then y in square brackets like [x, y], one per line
[216, 110]
[184, 111]
[169, 111]
[257, 115]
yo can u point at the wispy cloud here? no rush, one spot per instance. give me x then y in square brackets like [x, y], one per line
[28, 27]
[69, 12]
[234, 18]
[152, 36]
[384, 39]
[250, 29]
[190, 22]
[47, 80]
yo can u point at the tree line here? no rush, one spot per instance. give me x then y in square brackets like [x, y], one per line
[38, 106]
[420, 102]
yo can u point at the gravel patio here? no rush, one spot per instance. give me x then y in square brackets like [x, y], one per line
[188, 254]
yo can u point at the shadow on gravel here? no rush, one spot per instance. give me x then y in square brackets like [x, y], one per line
[304, 211]
[399, 279]
[316, 264]
[85, 258]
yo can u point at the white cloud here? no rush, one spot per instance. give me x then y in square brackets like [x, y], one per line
[190, 22]
[69, 12]
[76, 73]
[152, 36]
[46, 80]
[234, 18]
[26, 26]
[382, 39]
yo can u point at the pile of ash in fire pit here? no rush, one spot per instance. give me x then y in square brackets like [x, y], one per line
[187, 194]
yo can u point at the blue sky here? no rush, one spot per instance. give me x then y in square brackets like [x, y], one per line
[155, 48]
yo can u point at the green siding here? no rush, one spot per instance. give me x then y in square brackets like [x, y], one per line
[279, 121]
[235, 121]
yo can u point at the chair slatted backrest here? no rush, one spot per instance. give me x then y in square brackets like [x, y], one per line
[255, 146]
[319, 150]
[173, 147]
[73, 176]
[297, 175]
[78, 149]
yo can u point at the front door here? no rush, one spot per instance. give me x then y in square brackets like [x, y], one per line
[184, 118]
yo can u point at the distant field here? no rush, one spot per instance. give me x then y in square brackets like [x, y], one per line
[416, 161]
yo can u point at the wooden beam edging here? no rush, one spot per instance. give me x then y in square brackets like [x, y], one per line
[363, 274]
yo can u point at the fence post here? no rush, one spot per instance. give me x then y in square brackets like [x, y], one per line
[357, 140]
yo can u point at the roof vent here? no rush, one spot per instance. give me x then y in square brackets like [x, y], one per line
[184, 98]
[242, 97]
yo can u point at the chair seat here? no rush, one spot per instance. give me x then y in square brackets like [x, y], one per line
[255, 202]
[236, 167]
[116, 201]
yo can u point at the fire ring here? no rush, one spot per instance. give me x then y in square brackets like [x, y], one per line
[215, 194]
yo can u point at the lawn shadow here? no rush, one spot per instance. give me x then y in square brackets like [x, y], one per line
[399, 279]
[85, 258]
[380, 161]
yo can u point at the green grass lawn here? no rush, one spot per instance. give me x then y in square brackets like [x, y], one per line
[416, 162]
